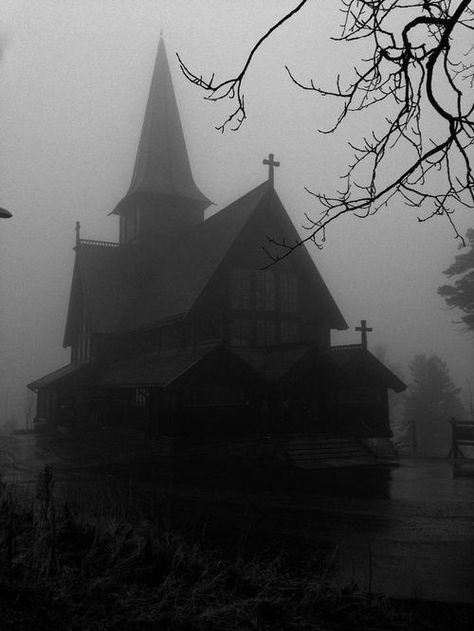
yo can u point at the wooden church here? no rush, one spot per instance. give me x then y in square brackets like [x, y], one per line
[178, 330]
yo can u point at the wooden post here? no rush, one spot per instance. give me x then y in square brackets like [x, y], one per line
[454, 452]
[414, 437]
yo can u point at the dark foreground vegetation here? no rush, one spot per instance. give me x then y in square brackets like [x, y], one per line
[70, 565]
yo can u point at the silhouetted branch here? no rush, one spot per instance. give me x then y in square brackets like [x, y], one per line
[232, 88]
[418, 66]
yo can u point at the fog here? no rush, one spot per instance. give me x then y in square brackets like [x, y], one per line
[74, 79]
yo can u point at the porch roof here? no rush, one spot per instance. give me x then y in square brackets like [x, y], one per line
[151, 369]
[363, 368]
[205, 364]
[61, 376]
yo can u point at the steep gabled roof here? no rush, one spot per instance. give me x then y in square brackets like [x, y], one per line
[104, 284]
[334, 317]
[316, 363]
[347, 366]
[180, 275]
[363, 368]
[162, 164]
[179, 278]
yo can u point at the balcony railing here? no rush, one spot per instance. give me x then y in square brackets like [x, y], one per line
[346, 347]
[104, 244]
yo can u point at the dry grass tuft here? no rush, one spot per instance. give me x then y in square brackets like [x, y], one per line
[72, 569]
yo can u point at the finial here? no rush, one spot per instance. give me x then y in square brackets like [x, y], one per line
[78, 233]
[271, 167]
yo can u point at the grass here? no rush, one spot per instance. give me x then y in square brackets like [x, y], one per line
[97, 563]
[112, 554]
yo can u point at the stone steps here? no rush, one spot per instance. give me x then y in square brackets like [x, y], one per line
[303, 453]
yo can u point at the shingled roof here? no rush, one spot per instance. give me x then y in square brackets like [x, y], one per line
[162, 164]
[181, 274]
[69, 374]
[363, 368]
[170, 368]
[289, 365]
[179, 277]
[285, 365]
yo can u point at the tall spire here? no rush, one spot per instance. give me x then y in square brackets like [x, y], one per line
[162, 163]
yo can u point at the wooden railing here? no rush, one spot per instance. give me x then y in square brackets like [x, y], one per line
[346, 347]
[105, 244]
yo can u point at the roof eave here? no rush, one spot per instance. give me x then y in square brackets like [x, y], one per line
[134, 195]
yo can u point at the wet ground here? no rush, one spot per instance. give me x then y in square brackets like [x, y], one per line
[407, 531]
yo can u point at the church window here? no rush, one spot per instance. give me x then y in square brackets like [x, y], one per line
[241, 332]
[289, 331]
[141, 395]
[265, 290]
[241, 289]
[288, 292]
[266, 332]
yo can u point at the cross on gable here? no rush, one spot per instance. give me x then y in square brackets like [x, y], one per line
[364, 329]
[271, 166]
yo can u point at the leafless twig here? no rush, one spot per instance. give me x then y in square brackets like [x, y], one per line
[418, 66]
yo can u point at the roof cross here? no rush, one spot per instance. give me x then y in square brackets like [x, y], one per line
[271, 167]
[364, 329]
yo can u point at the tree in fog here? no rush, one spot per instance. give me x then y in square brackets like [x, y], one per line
[431, 401]
[460, 294]
[410, 62]
[396, 402]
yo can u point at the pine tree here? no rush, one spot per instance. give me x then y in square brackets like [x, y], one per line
[431, 401]
[461, 293]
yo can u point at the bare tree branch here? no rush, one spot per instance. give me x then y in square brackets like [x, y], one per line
[420, 65]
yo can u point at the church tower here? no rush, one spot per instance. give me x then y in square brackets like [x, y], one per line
[163, 200]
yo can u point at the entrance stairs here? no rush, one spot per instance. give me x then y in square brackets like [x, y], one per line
[303, 452]
[314, 452]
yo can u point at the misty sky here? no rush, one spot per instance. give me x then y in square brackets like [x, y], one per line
[74, 77]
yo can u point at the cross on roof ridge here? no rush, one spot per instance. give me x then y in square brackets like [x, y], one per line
[271, 167]
[364, 329]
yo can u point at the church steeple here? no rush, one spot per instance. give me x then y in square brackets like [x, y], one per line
[162, 163]
[162, 179]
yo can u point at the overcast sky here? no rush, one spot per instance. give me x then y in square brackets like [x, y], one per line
[74, 77]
